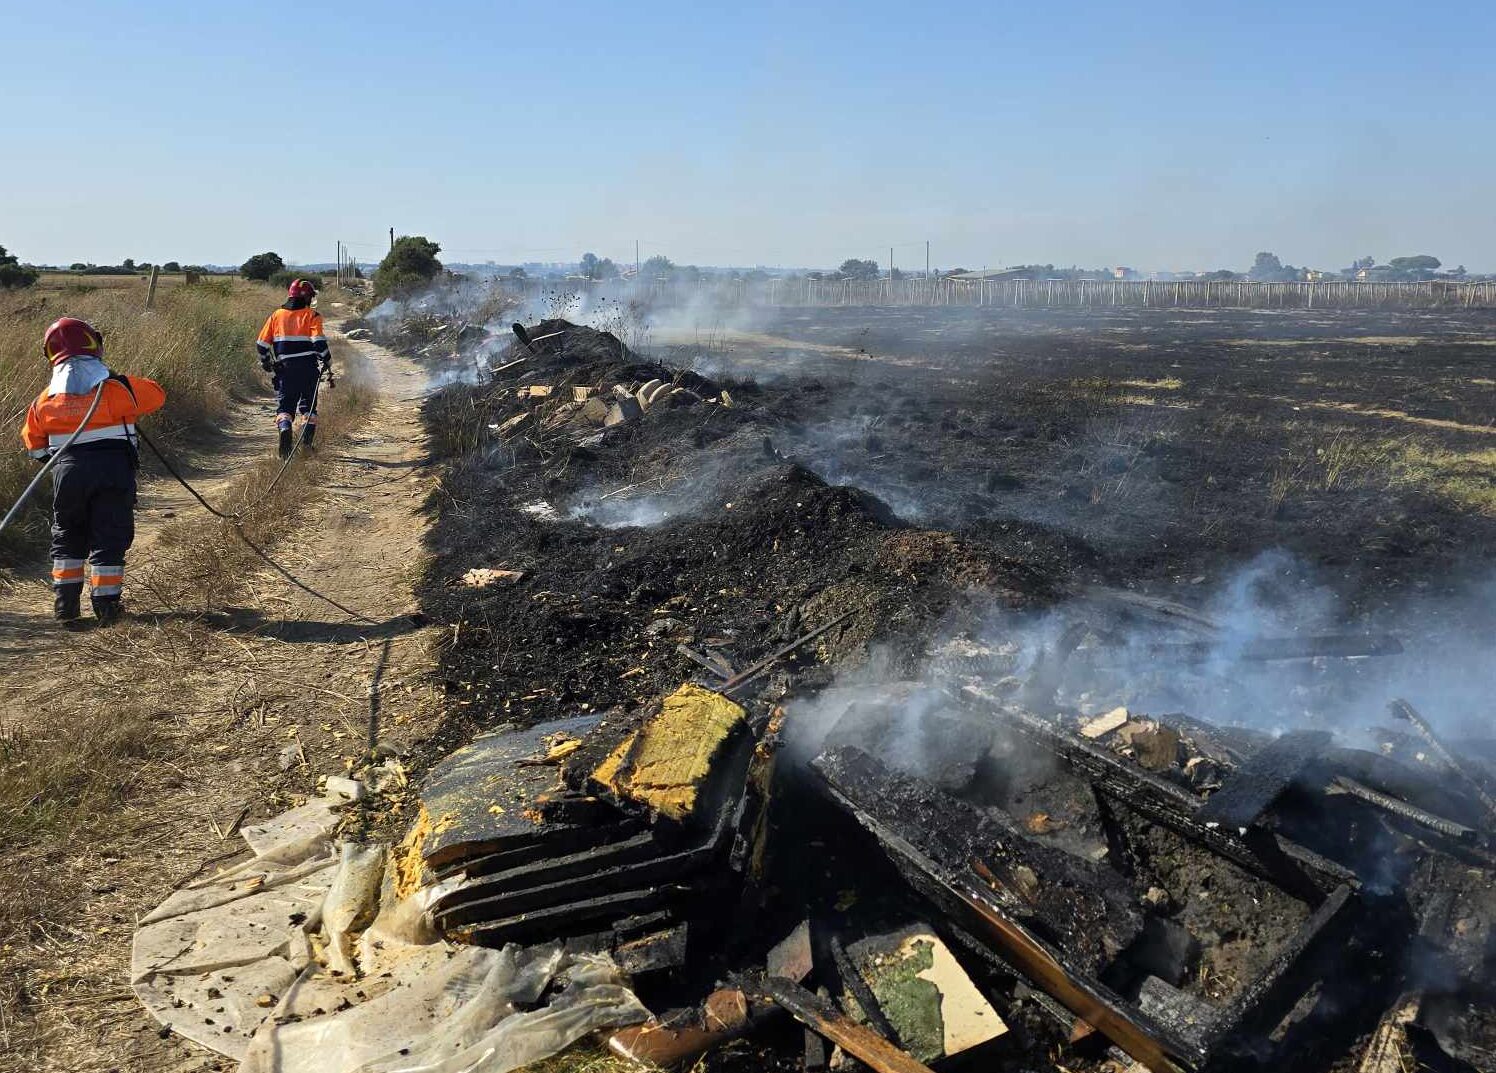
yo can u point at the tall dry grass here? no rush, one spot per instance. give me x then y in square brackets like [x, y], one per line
[198, 342]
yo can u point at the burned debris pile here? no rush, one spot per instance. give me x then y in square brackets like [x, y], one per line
[996, 865]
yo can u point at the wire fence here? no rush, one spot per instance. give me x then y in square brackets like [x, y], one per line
[1028, 293]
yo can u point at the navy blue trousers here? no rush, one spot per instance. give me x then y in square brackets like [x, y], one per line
[296, 390]
[93, 515]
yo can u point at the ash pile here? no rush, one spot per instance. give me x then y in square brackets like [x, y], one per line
[989, 868]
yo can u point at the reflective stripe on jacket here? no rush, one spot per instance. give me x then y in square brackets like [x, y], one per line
[57, 411]
[292, 333]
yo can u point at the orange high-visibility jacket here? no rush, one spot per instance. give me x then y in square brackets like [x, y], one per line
[292, 333]
[55, 414]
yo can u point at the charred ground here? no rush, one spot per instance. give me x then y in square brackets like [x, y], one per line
[837, 463]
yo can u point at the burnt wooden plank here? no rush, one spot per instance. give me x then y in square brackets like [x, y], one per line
[1298, 870]
[576, 879]
[990, 910]
[1084, 907]
[823, 1018]
[1255, 785]
[547, 923]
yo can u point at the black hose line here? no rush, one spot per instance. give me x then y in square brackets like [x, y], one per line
[237, 521]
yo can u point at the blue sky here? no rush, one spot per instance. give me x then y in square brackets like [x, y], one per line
[1157, 135]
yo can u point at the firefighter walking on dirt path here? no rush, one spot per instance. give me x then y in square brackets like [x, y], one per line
[293, 349]
[93, 481]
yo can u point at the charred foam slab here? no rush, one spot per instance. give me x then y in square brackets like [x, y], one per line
[484, 797]
[644, 860]
[1084, 908]
[1258, 782]
[590, 915]
[936, 858]
[1296, 869]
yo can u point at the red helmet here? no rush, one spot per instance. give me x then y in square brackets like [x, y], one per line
[69, 338]
[300, 288]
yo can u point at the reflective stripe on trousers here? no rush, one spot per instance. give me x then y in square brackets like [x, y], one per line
[107, 580]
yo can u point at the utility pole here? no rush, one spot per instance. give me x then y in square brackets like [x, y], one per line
[636, 259]
[890, 263]
[340, 264]
[927, 258]
[392, 238]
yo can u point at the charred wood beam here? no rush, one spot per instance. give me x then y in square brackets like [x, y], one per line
[852, 982]
[747, 675]
[823, 1018]
[560, 841]
[710, 661]
[1399, 807]
[1257, 783]
[1272, 857]
[549, 922]
[1403, 710]
[957, 888]
[1268, 649]
[1081, 906]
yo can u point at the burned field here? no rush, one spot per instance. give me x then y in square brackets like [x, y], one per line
[973, 688]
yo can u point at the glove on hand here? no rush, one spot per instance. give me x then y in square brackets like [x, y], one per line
[267, 363]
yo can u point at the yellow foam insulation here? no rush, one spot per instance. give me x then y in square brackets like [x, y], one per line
[672, 753]
[410, 856]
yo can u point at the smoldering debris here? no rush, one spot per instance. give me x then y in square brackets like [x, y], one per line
[1193, 836]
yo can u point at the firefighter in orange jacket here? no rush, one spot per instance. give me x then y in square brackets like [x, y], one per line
[293, 349]
[93, 482]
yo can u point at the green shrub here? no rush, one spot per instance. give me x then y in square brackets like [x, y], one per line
[410, 264]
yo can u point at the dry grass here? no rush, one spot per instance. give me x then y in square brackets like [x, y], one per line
[100, 731]
[1464, 478]
[199, 343]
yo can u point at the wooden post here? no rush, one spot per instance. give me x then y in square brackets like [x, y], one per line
[150, 293]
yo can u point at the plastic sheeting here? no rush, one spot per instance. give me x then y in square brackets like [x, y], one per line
[303, 960]
[211, 959]
[462, 1015]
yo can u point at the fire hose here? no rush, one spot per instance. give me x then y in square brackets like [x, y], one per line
[16, 507]
[235, 520]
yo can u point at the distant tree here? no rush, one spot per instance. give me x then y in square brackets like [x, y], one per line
[895, 273]
[517, 273]
[657, 266]
[262, 266]
[13, 274]
[852, 268]
[1265, 266]
[128, 264]
[1220, 275]
[78, 266]
[411, 263]
[171, 266]
[595, 267]
[1421, 263]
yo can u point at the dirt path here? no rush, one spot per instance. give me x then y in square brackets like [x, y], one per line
[237, 712]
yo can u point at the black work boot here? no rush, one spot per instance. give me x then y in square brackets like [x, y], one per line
[107, 609]
[308, 434]
[287, 445]
[68, 602]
